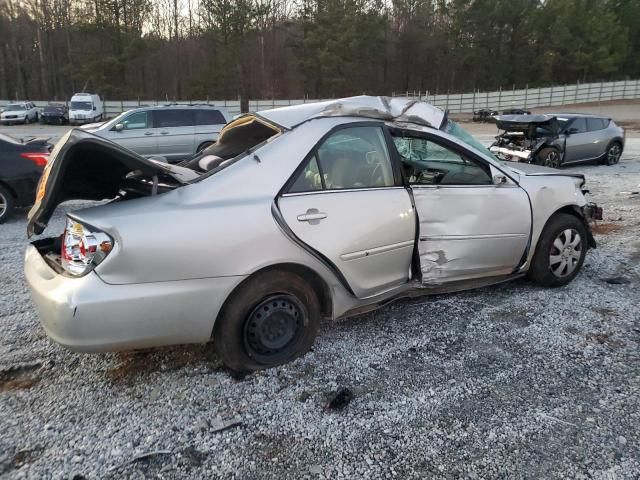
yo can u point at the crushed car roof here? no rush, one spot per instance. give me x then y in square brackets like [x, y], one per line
[380, 108]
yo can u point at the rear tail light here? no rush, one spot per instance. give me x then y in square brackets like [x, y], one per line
[82, 248]
[39, 158]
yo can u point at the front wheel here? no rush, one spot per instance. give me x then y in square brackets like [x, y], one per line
[26, 119]
[549, 157]
[271, 319]
[561, 250]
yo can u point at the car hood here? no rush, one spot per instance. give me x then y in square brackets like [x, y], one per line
[83, 166]
[530, 169]
[92, 126]
[522, 123]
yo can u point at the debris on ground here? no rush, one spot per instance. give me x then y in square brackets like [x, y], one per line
[339, 399]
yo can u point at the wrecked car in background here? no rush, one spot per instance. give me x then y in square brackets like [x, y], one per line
[558, 139]
[312, 211]
[484, 115]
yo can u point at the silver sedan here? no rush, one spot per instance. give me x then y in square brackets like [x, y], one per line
[296, 214]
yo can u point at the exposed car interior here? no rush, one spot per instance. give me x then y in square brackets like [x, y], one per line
[428, 163]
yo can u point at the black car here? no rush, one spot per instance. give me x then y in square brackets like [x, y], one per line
[21, 165]
[516, 111]
[55, 113]
[484, 115]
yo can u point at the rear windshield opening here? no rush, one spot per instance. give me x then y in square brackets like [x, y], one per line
[236, 139]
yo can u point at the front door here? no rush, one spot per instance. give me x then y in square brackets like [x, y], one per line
[469, 227]
[136, 134]
[579, 141]
[347, 204]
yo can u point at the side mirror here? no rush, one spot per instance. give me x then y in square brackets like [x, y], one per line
[94, 107]
[499, 179]
[571, 131]
[119, 127]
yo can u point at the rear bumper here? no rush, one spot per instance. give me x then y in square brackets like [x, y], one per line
[87, 314]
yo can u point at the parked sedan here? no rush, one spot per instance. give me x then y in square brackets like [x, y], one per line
[21, 165]
[558, 139]
[21, 112]
[55, 113]
[298, 213]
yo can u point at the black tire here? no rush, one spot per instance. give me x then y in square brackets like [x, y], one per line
[613, 153]
[7, 203]
[26, 120]
[542, 269]
[548, 157]
[291, 310]
[204, 145]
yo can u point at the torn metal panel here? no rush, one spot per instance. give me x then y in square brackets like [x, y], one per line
[381, 108]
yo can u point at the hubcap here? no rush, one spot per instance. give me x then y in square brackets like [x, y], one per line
[565, 253]
[613, 154]
[3, 205]
[552, 160]
[273, 326]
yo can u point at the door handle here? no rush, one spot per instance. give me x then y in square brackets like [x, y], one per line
[313, 216]
[148, 133]
[164, 133]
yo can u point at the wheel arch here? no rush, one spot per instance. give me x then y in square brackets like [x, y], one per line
[9, 189]
[575, 211]
[315, 281]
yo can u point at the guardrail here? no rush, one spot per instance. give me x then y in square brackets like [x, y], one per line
[455, 103]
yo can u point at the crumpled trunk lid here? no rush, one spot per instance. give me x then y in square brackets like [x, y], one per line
[83, 166]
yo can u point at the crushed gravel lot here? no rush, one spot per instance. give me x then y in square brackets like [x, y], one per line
[511, 381]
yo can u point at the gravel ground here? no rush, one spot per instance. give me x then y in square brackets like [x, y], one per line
[512, 381]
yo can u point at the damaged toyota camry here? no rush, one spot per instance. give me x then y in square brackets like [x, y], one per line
[297, 214]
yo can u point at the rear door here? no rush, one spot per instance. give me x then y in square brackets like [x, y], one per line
[208, 123]
[346, 203]
[137, 134]
[469, 227]
[174, 131]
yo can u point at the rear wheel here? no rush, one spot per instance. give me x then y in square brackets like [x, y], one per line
[204, 145]
[560, 252]
[549, 157]
[271, 319]
[613, 153]
[6, 204]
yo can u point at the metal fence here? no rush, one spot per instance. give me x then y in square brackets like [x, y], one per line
[455, 103]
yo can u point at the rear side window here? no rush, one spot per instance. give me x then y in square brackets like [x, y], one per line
[596, 124]
[351, 158]
[579, 124]
[173, 118]
[209, 117]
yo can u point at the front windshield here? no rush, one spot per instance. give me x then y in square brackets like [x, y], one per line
[15, 108]
[460, 133]
[81, 105]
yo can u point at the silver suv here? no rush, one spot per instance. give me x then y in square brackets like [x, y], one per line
[174, 132]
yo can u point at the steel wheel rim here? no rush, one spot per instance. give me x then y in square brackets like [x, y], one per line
[273, 327]
[552, 160]
[614, 154]
[3, 205]
[566, 252]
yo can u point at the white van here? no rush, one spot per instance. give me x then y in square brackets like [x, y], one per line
[85, 108]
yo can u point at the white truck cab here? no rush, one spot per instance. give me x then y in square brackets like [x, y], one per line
[85, 108]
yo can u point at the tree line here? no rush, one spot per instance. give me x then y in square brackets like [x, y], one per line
[197, 49]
